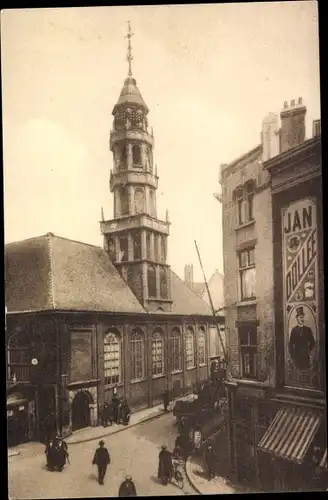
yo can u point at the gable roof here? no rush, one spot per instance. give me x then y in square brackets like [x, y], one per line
[50, 272]
[185, 300]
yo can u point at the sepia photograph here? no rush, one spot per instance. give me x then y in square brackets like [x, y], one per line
[163, 250]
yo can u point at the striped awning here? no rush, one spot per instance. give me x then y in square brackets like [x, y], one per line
[291, 433]
[323, 463]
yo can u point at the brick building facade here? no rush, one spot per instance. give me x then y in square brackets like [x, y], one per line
[277, 414]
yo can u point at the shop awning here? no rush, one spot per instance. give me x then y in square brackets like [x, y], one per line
[290, 433]
[15, 399]
[323, 463]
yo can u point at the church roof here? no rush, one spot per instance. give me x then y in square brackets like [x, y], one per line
[130, 94]
[50, 272]
[185, 300]
[54, 273]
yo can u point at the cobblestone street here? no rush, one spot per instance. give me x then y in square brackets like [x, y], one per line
[134, 451]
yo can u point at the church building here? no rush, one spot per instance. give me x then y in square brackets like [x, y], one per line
[84, 322]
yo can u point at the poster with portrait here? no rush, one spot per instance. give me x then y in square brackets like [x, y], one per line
[300, 293]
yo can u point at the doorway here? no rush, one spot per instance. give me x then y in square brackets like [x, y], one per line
[81, 411]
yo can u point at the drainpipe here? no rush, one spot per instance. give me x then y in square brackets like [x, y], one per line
[59, 378]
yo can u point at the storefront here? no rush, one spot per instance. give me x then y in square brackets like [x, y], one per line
[20, 419]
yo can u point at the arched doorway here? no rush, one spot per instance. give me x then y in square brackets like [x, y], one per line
[81, 410]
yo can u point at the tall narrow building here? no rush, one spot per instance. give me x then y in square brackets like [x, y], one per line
[136, 239]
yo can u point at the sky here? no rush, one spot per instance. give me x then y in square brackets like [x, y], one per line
[208, 74]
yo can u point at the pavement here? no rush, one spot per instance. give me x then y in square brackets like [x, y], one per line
[133, 452]
[200, 482]
[91, 433]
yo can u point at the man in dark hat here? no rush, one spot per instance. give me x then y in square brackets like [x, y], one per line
[165, 466]
[127, 488]
[116, 408]
[102, 460]
[125, 412]
[62, 453]
[301, 342]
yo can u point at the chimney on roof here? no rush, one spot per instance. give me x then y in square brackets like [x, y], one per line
[316, 128]
[270, 136]
[189, 274]
[292, 132]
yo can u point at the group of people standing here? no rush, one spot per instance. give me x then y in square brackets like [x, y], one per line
[57, 453]
[117, 411]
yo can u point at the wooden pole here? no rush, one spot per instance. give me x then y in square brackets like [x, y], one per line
[211, 302]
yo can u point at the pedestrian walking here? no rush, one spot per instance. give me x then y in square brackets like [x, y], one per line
[165, 466]
[209, 461]
[166, 400]
[102, 460]
[61, 453]
[50, 453]
[127, 488]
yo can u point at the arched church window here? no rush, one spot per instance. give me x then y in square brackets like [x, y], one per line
[148, 245]
[136, 237]
[158, 353]
[176, 350]
[190, 348]
[137, 355]
[136, 155]
[201, 346]
[124, 195]
[123, 253]
[162, 249]
[163, 283]
[152, 203]
[112, 358]
[139, 200]
[151, 281]
[156, 248]
[123, 157]
[111, 248]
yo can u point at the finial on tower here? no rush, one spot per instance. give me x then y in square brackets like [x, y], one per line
[102, 214]
[129, 57]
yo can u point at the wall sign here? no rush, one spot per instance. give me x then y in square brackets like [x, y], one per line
[300, 293]
[21, 408]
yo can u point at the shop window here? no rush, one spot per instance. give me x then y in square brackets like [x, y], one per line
[137, 345]
[163, 283]
[248, 350]
[247, 274]
[139, 200]
[158, 353]
[136, 155]
[151, 281]
[123, 254]
[190, 348]
[201, 346]
[112, 358]
[176, 350]
[136, 246]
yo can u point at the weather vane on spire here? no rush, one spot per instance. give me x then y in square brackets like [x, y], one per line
[129, 54]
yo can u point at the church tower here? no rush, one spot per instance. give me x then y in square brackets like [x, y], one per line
[136, 239]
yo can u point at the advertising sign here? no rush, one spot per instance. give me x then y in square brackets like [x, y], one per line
[300, 273]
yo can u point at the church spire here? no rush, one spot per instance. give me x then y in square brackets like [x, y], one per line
[129, 56]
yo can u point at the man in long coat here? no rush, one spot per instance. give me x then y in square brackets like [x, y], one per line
[102, 460]
[301, 342]
[61, 453]
[50, 453]
[127, 488]
[116, 408]
[165, 466]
